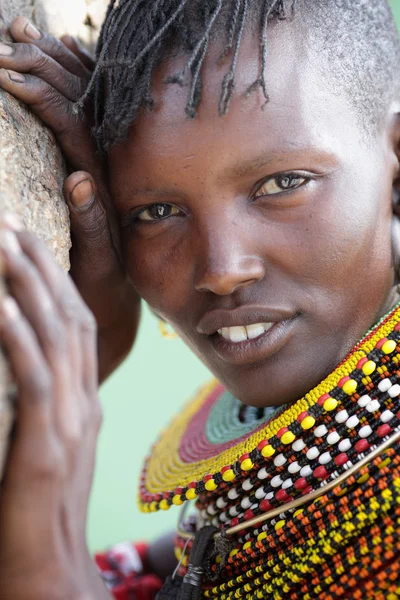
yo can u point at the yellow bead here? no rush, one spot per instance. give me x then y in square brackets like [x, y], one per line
[308, 422]
[268, 451]
[246, 545]
[288, 437]
[261, 536]
[298, 512]
[153, 506]
[330, 404]
[247, 464]
[228, 475]
[279, 525]
[369, 367]
[164, 505]
[233, 552]
[350, 387]
[177, 500]
[191, 494]
[218, 559]
[210, 485]
[389, 347]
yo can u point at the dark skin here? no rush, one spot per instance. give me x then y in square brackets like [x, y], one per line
[323, 256]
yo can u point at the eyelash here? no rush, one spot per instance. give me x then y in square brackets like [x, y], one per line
[133, 219]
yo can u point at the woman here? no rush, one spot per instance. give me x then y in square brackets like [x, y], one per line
[257, 203]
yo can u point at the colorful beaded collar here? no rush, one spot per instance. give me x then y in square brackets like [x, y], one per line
[207, 451]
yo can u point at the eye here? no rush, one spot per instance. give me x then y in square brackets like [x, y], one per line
[281, 183]
[157, 212]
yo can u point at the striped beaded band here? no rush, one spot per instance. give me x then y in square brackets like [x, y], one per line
[305, 445]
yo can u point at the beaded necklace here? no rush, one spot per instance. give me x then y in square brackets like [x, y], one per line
[236, 473]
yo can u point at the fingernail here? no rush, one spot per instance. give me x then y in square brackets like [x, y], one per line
[82, 195]
[16, 77]
[6, 50]
[9, 242]
[33, 32]
[12, 221]
[10, 307]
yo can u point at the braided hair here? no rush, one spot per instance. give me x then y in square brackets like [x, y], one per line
[358, 37]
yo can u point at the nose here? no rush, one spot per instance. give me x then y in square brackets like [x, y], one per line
[227, 263]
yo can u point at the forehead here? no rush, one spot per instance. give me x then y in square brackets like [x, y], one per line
[302, 109]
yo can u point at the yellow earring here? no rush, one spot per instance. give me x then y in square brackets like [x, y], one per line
[165, 332]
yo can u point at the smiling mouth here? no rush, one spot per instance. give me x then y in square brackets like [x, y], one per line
[241, 333]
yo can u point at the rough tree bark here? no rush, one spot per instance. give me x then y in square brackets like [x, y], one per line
[32, 170]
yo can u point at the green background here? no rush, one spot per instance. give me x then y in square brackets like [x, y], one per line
[138, 400]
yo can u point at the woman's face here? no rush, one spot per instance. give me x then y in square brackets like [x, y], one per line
[263, 237]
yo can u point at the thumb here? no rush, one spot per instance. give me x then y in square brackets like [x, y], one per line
[93, 254]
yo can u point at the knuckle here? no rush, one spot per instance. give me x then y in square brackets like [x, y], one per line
[53, 332]
[88, 322]
[39, 385]
[97, 415]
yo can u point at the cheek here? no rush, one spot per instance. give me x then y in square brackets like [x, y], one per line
[160, 272]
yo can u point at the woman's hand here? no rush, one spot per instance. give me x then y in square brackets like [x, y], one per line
[50, 337]
[50, 76]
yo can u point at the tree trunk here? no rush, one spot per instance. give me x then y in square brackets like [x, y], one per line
[32, 170]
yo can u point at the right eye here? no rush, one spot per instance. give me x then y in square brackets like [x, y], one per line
[157, 212]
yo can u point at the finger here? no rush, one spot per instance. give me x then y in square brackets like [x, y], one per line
[28, 58]
[33, 298]
[55, 111]
[34, 414]
[75, 46]
[22, 30]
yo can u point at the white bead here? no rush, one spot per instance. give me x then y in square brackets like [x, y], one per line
[260, 494]
[325, 458]
[320, 431]
[344, 445]
[342, 416]
[287, 484]
[294, 467]
[276, 481]
[270, 495]
[333, 438]
[373, 406]
[279, 460]
[385, 385]
[298, 445]
[221, 502]
[211, 509]
[215, 521]
[254, 506]
[352, 422]
[394, 391]
[363, 401]
[387, 416]
[233, 511]
[247, 485]
[204, 513]
[232, 494]
[262, 474]
[223, 517]
[365, 431]
[313, 453]
[306, 471]
[245, 503]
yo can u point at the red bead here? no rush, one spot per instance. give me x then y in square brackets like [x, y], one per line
[265, 506]
[192, 485]
[282, 496]
[244, 457]
[381, 342]
[158, 497]
[320, 472]
[362, 446]
[262, 445]
[307, 490]
[362, 362]
[300, 484]
[248, 515]
[166, 495]
[341, 460]
[207, 478]
[282, 431]
[384, 430]
[323, 399]
[234, 522]
[178, 491]
[302, 416]
[226, 468]
[397, 327]
[342, 381]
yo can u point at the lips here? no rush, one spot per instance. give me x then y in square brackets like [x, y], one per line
[219, 319]
[243, 333]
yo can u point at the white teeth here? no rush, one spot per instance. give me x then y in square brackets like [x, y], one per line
[241, 334]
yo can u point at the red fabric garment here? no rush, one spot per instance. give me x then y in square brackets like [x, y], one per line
[124, 569]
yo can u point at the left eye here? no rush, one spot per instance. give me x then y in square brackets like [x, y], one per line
[158, 212]
[280, 183]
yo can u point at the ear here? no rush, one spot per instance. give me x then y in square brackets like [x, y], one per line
[395, 134]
